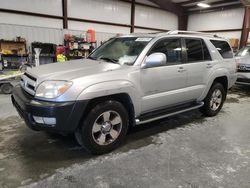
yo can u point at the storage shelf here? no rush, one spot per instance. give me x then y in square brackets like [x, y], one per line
[45, 55]
[14, 55]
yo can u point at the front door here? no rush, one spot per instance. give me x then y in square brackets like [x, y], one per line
[165, 85]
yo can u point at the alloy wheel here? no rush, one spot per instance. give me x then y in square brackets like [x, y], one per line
[107, 127]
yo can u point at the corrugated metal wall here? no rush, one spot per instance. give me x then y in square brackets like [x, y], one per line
[43, 34]
[31, 34]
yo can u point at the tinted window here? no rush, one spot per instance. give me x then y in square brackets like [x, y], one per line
[171, 48]
[194, 50]
[206, 53]
[223, 48]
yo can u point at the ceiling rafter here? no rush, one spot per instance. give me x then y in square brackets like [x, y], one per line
[189, 2]
[216, 3]
[212, 9]
[170, 6]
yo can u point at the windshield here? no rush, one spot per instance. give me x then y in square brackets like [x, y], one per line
[243, 51]
[120, 50]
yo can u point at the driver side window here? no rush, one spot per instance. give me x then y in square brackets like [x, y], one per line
[171, 48]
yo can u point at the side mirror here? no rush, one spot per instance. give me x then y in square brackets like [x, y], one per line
[155, 60]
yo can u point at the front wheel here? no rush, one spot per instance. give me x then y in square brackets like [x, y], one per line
[104, 128]
[214, 100]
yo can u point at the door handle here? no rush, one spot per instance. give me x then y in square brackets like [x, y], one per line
[181, 69]
[209, 65]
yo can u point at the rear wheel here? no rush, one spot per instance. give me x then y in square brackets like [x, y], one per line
[104, 128]
[214, 100]
[6, 88]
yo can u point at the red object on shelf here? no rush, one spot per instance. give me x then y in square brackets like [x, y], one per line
[91, 35]
[60, 50]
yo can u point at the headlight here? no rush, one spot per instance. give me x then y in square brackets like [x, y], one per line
[52, 89]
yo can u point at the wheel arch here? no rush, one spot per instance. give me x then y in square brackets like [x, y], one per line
[123, 98]
[223, 79]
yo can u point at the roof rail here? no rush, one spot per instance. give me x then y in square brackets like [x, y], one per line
[175, 32]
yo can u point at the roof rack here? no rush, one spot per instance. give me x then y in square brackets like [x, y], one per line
[175, 32]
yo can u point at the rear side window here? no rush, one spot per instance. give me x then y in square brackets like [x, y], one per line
[194, 50]
[223, 48]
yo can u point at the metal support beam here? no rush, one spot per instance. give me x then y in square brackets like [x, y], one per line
[132, 22]
[175, 8]
[245, 27]
[65, 13]
[182, 22]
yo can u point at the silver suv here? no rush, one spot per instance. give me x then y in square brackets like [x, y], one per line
[243, 62]
[129, 80]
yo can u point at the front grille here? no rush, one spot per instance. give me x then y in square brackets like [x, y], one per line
[239, 70]
[30, 77]
[244, 68]
[28, 83]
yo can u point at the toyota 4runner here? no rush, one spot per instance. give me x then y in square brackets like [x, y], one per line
[129, 80]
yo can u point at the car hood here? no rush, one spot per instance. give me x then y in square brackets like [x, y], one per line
[71, 69]
[243, 59]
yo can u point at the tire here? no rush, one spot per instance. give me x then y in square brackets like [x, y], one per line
[6, 88]
[214, 100]
[104, 129]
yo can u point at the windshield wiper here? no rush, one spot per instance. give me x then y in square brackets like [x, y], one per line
[109, 60]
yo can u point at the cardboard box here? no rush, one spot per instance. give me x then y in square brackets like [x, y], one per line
[234, 42]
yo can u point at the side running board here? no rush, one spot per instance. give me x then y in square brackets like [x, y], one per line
[148, 118]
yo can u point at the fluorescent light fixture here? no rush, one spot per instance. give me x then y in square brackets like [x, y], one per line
[203, 5]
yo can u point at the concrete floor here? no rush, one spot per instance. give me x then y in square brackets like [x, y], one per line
[187, 150]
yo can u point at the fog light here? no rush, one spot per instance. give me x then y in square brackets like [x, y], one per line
[49, 121]
[45, 120]
[38, 119]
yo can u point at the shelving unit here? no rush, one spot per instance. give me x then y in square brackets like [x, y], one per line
[12, 54]
[48, 52]
[77, 47]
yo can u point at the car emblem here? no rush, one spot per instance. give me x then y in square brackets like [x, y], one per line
[25, 83]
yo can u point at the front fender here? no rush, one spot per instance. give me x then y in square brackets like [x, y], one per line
[108, 88]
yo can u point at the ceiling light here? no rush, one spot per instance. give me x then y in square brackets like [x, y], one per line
[203, 5]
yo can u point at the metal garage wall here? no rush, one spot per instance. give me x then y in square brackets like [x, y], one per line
[155, 18]
[100, 36]
[100, 10]
[144, 31]
[52, 7]
[75, 25]
[18, 19]
[31, 34]
[43, 29]
[43, 34]
[221, 20]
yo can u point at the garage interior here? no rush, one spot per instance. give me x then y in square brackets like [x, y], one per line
[188, 150]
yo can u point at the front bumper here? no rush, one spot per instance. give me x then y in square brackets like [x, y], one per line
[67, 114]
[243, 78]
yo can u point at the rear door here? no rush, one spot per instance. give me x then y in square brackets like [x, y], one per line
[198, 65]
